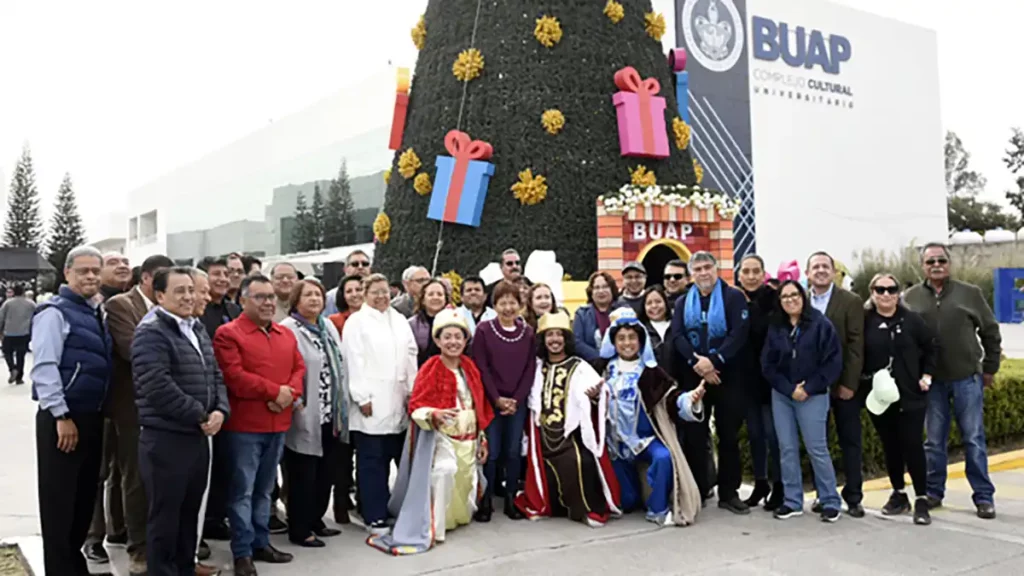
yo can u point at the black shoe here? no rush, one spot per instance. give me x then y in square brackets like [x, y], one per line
[933, 502]
[204, 550]
[499, 490]
[511, 511]
[276, 525]
[378, 528]
[244, 567]
[11, 379]
[761, 491]
[784, 512]
[898, 504]
[326, 532]
[816, 507]
[831, 514]
[96, 553]
[271, 555]
[921, 515]
[855, 510]
[217, 530]
[776, 499]
[311, 542]
[483, 513]
[735, 505]
[986, 511]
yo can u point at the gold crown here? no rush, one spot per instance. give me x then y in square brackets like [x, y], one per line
[554, 321]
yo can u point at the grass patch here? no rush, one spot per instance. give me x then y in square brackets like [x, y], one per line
[11, 562]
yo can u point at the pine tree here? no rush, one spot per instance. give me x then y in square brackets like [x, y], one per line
[1014, 160]
[66, 229]
[339, 223]
[316, 216]
[24, 228]
[304, 234]
[521, 80]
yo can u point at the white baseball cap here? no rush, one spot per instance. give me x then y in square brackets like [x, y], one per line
[884, 392]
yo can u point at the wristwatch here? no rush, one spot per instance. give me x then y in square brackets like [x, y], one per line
[63, 416]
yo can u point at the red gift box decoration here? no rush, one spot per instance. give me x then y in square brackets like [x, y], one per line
[641, 115]
[401, 109]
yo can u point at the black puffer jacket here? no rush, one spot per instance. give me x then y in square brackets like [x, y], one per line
[175, 387]
[760, 304]
[909, 344]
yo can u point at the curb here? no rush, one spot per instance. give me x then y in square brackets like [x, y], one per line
[997, 463]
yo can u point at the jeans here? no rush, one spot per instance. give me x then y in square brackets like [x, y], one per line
[968, 405]
[505, 441]
[900, 432]
[763, 442]
[811, 417]
[374, 455]
[254, 458]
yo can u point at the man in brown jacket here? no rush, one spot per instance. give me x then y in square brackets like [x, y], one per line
[846, 312]
[124, 312]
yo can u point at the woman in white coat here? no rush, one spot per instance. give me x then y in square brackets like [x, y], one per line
[380, 358]
[320, 425]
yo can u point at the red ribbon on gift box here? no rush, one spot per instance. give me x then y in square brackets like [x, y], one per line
[463, 149]
[628, 80]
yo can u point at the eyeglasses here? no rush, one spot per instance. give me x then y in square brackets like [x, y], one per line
[789, 297]
[512, 264]
[934, 261]
[886, 290]
[676, 277]
[380, 292]
[420, 281]
[260, 298]
[359, 264]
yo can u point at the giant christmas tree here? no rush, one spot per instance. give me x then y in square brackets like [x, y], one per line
[559, 57]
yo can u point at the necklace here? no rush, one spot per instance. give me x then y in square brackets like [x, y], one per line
[498, 332]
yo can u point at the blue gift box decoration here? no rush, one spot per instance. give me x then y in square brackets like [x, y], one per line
[460, 186]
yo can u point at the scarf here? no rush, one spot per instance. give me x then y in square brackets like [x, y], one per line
[693, 318]
[339, 393]
[436, 388]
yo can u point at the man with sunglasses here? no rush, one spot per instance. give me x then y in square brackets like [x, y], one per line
[511, 271]
[413, 278]
[676, 279]
[960, 315]
[846, 312]
[236, 271]
[356, 264]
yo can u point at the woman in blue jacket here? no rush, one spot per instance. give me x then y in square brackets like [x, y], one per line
[593, 318]
[800, 358]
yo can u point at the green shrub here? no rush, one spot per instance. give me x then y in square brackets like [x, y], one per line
[1004, 423]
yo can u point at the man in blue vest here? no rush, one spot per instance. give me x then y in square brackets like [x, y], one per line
[71, 348]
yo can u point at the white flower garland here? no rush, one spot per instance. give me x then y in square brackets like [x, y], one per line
[679, 195]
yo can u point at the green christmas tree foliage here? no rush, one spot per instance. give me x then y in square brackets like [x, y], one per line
[66, 229]
[520, 80]
[339, 224]
[316, 217]
[304, 235]
[24, 227]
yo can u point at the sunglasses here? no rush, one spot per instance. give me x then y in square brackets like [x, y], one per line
[894, 290]
[674, 276]
[359, 264]
[934, 261]
[512, 264]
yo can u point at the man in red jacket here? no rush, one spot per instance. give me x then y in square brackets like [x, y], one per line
[263, 372]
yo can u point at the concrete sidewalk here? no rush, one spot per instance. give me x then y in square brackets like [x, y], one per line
[956, 543]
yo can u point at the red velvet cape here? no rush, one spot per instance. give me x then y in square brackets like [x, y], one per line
[436, 387]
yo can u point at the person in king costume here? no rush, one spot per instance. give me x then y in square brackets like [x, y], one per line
[440, 477]
[568, 470]
[644, 406]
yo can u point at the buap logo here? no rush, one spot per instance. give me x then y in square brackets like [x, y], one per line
[714, 33]
[799, 48]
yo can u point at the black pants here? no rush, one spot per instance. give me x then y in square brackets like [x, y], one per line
[67, 490]
[728, 403]
[310, 479]
[220, 479]
[173, 468]
[846, 414]
[374, 455]
[15, 348]
[343, 468]
[901, 434]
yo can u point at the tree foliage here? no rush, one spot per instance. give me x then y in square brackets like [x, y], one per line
[339, 221]
[316, 217]
[304, 234]
[66, 229]
[24, 227]
[969, 213]
[960, 179]
[1014, 160]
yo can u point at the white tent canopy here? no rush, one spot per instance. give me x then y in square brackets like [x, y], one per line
[311, 263]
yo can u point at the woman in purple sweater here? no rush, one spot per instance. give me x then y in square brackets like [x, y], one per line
[504, 350]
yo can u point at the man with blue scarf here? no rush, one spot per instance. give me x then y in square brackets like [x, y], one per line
[709, 328]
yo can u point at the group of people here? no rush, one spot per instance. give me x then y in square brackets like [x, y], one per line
[194, 388]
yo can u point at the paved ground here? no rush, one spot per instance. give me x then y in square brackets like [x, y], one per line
[956, 543]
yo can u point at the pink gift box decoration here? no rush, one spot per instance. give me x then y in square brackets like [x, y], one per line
[641, 115]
